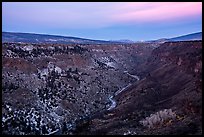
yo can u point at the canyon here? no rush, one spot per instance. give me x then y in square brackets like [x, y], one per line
[102, 88]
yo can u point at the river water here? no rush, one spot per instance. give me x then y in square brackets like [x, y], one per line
[113, 102]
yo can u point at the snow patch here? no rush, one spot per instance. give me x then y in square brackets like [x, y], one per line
[51, 48]
[97, 50]
[50, 40]
[28, 48]
[110, 64]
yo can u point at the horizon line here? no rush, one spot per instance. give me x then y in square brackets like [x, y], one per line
[61, 35]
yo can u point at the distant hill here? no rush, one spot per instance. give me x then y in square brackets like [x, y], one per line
[43, 38]
[53, 39]
[189, 37]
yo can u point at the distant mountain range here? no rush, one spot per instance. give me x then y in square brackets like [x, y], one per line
[123, 41]
[44, 38]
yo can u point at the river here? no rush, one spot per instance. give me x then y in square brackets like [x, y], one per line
[113, 102]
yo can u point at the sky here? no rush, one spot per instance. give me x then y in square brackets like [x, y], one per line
[135, 21]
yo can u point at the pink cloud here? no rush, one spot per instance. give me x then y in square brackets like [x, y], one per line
[98, 14]
[160, 11]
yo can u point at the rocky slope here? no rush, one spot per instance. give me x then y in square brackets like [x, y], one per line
[166, 100]
[48, 88]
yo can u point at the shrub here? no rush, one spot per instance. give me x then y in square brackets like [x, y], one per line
[158, 118]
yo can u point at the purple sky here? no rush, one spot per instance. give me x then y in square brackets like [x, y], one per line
[104, 20]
